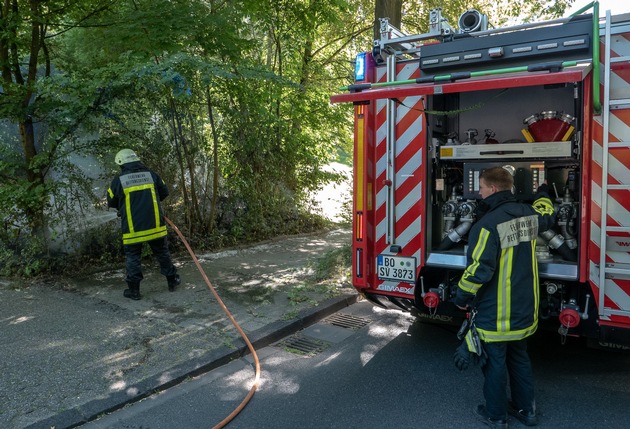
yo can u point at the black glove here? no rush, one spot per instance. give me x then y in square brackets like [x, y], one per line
[543, 189]
[462, 357]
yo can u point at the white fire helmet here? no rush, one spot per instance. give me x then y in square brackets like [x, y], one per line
[126, 156]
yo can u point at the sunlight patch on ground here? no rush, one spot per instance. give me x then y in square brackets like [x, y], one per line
[21, 320]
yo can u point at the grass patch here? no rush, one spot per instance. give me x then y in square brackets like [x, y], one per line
[290, 315]
[300, 294]
[334, 264]
[331, 272]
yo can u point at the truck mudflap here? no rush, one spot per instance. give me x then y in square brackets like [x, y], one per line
[614, 338]
[389, 302]
[448, 314]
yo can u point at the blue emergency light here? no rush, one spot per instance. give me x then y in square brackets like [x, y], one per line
[359, 67]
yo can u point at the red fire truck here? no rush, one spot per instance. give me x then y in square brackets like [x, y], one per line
[548, 101]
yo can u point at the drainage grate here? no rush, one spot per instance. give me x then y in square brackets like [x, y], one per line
[347, 321]
[302, 345]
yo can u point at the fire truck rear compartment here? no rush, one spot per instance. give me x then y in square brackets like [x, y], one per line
[453, 175]
[472, 131]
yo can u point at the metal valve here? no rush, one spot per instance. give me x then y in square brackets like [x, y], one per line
[551, 288]
[435, 295]
[471, 133]
[570, 314]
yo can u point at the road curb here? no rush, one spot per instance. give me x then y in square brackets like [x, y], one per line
[260, 338]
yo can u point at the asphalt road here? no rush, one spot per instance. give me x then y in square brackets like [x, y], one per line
[384, 370]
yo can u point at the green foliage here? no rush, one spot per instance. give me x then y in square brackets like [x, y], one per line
[330, 271]
[334, 264]
[500, 13]
[101, 243]
[300, 294]
[23, 256]
[227, 101]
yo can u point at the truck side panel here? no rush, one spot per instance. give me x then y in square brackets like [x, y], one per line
[399, 173]
[613, 299]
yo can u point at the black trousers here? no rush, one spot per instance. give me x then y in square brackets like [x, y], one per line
[133, 253]
[508, 359]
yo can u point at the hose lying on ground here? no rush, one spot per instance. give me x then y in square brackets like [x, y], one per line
[238, 409]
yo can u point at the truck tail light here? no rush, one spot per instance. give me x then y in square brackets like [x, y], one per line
[358, 263]
[358, 234]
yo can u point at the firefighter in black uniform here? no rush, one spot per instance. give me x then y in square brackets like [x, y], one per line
[136, 194]
[501, 284]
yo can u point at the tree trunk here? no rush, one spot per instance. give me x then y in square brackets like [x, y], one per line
[391, 9]
[34, 211]
[180, 163]
[215, 167]
[11, 75]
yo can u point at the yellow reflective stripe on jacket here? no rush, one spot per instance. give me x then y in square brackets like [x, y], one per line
[468, 286]
[491, 336]
[504, 289]
[465, 284]
[110, 192]
[139, 237]
[536, 278]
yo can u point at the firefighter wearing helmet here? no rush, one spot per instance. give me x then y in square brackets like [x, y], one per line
[136, 193]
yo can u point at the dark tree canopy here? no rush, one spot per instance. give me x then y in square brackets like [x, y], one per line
[228, 100]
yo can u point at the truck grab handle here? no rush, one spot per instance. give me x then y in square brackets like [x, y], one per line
[553, 66]
[358, 87]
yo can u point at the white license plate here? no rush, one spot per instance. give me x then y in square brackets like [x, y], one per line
[398, 268]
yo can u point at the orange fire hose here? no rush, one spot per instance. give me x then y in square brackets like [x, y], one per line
[238, 409]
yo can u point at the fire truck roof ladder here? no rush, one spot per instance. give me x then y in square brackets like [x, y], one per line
[608, 270]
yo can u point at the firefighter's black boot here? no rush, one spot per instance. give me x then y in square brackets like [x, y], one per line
[173, 282]
[133, 292]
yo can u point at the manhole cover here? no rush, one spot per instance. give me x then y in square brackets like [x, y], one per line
[347, 321]
[302, 345]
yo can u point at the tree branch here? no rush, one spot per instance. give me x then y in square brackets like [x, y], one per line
[350, 38]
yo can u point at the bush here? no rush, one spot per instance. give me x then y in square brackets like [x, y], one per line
[24, 257]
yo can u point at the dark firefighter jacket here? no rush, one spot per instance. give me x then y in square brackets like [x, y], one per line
[136, 194]
[501, 278]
